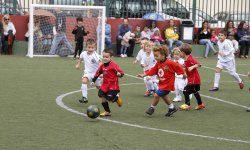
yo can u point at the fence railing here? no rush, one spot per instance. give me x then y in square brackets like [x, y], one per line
[217, 12]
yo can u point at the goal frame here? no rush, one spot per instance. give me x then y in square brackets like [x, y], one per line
[31, 25]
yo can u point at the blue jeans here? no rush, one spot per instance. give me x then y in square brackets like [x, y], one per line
[124, 50]
[57, 39]
[172, 41]
[209, 45]
[108, 42]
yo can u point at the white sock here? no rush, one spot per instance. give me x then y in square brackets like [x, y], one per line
[236, 77]
[84, 90]
[152, 106]
[171, 106]
[216, 79]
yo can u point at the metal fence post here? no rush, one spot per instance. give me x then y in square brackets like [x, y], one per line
[194, 11]
[107, 7]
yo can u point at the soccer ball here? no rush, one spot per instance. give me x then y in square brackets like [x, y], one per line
[93, 111]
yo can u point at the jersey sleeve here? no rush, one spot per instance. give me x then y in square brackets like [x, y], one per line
[229, 47]
[118, 69]
[152, 71]
[178, 69]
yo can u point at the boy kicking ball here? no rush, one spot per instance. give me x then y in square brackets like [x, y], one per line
[165, 69]
[109, 90]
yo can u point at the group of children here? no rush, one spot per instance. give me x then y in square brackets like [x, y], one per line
[161, 74]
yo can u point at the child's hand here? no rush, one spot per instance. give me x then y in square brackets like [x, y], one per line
[77, 66]
[134, 62]
[118, 74]
[140, 75]
[190, 68]
[221, 54]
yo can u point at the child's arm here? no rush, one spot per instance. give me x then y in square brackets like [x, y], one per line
[74, 30]
[97, 74]
[151, 72]
[119, 71]
[78, 63]
[85, 33]
[193, 67]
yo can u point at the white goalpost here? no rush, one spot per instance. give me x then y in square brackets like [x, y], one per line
[51, 26]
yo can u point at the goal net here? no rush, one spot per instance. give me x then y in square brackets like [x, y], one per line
[51, 26]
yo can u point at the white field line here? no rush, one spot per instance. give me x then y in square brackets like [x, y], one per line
[244, 75]
[59, 102]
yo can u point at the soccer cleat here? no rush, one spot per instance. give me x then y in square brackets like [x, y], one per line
[214, 89]
[171, 111]
[199, 107]
[248, 110]
[83, 100]
[105, 114]
[119, 101]
[147, 93]
[241, 85]
[185, 107]
[150, 111]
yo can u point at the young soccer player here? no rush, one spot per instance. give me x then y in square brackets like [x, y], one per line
[79, 32]
[91, 61]
[194, 81]
[147, 62]
[165, 69]
[109, 90]
[226, 60]
[141, 51]
[179, 83]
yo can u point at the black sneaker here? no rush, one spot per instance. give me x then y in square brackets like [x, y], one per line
[171, 111]
[248, 110]
[214, 89]
[83, 100]
[150, 111]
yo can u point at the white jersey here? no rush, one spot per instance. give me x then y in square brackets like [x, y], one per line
[180, 83]
[91, 62]
[227, 48]
[148, 61]
[139, 55]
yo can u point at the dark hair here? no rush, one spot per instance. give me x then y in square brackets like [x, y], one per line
[227, 25]
[162, 49]
[240, 26]
[223, 32]
[205, 21]
[110, 51]
[78, 19]
[186, 48]
[144, 38]
[90, 42]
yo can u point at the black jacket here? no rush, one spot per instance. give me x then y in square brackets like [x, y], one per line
[79, 32]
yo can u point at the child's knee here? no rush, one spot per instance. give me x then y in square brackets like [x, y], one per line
[84, 80]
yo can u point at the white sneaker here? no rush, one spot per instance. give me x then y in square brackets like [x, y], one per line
[122, 55]
[176, 99]
[190, 96]
[125, 55]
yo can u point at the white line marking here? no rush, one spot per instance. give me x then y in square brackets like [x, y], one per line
[222, 70]
[60, 103]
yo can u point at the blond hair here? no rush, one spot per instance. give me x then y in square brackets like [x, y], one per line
[3, 22]
[176, 51]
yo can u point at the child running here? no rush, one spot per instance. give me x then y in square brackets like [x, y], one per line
[109, 90]
[91, 61]
[147, 62]
[179, 83]
[165, 69]
[141, 51]
[226, 60]
[194, 81]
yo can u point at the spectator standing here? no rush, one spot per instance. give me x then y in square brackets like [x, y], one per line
[122, 29]
[244, 38]
[204, 35]
[172, 35]
[9, 31]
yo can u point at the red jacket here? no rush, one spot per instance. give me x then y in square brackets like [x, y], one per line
[110, 78]
[166, 73]
[193, 76]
